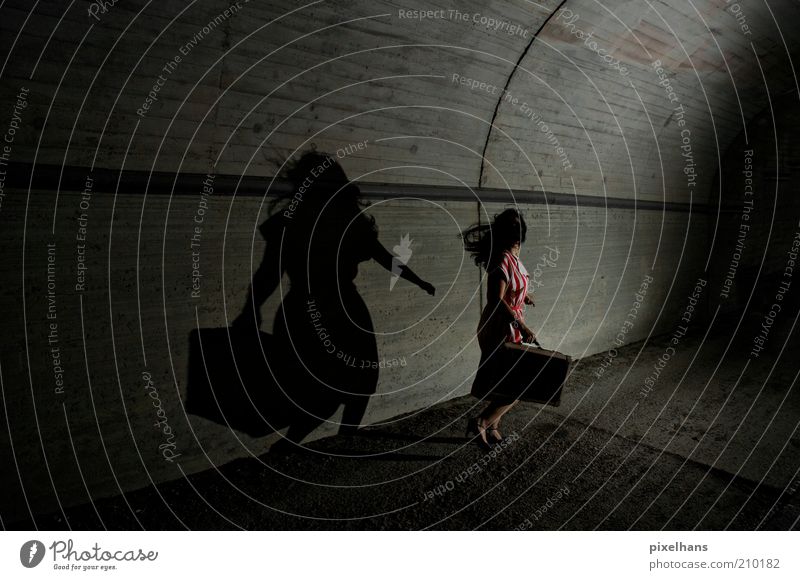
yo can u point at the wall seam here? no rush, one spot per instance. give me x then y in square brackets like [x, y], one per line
[505, 89]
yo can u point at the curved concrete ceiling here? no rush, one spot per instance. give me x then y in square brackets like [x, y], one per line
[643, 96]
[561, 96]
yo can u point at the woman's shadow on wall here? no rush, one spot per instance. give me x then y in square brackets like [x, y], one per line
[323, 352]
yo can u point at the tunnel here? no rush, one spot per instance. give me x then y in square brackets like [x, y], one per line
[151, 356]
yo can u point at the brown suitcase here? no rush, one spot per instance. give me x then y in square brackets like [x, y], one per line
[522, 372]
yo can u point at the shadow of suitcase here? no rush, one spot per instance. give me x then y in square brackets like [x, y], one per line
[231, 382]
[522, 372]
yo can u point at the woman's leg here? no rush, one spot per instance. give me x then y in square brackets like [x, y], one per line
[354, 408]
[494, 412]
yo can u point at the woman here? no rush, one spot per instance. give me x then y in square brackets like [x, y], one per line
[318, 239]
[496, 247]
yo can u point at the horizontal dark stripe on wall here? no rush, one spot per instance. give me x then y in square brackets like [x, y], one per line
[73, 178]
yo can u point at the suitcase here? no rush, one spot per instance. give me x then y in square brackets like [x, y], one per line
[522, 372]
[232, 380]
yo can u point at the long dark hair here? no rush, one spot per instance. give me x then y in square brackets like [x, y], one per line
[319, 177]
[486, 243]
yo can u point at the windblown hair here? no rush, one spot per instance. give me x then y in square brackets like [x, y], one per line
[318, 170]
[486, 243]
[319, 181]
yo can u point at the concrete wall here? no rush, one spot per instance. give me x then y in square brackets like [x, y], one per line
[757, 238]
[251, 93]
[273, 77]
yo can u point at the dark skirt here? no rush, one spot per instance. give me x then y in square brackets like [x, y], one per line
[493, 366]
[329, 347]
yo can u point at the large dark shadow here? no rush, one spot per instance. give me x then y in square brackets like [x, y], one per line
[323, 353]
[233, 380]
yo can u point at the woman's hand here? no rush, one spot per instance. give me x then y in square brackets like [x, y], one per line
[527, 334]
[529, 299]
[428, 287]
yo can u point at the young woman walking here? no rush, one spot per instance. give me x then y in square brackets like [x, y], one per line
[495, 247]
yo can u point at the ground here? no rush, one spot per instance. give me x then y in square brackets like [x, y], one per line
[711, 446]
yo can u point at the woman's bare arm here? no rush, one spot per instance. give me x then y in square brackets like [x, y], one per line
[495, 292]
[381, 255]
[266, 279]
